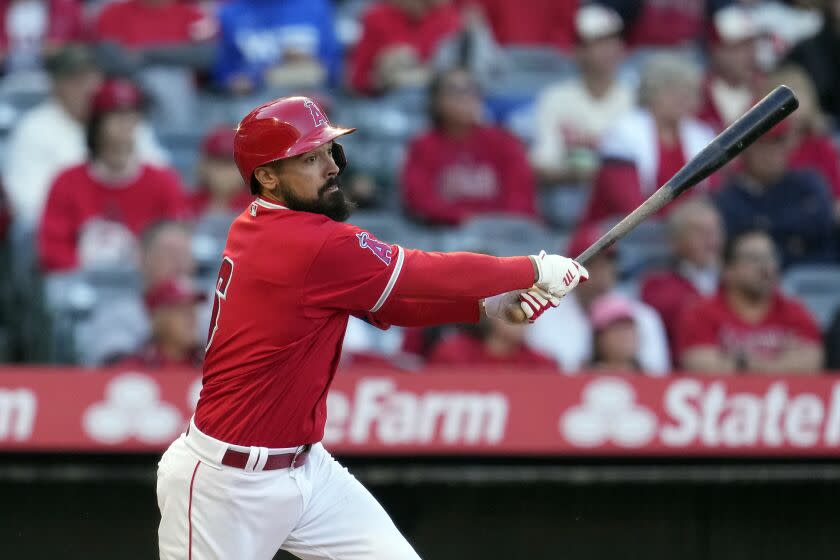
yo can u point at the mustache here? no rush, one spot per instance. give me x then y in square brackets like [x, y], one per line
[332, 182]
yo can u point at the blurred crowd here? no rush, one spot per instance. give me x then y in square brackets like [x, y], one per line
[484, 125]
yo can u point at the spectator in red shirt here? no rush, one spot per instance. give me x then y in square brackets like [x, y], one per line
[813, 146]
[171, 305]
[490, 343]
[696, 239]
[749, 326]
[399, 38]
[460, 167]
[145, 24]
[95, 210]
[31, 28]
[729, 87]
[648, 145]
[616, 336]
[663, 23]
[542, 23]
[220, 189]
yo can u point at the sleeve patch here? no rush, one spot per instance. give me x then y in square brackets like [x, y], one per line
[381, 250]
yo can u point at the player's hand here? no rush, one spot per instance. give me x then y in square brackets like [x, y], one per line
[558, 275]
[520, 306]
[535, 302]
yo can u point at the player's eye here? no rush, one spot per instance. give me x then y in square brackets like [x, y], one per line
[310, 159]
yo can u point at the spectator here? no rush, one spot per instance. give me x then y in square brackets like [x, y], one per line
[29, 29]
[171, 306]
[616, 337]
[818, 56]
[696, 238]
[645, 147]
[460, 167]
[164, 42]
[280, 44]
[220, 189]
[572, 115]
[119, 327]
[662, 23]
[793, 206]
[95, 209]
[492, 342]
[832, 344]
[814, 147]
[51, 136]
[399, 39]
[749, 326]
[565, 333]
[729, 87]
[543, 23]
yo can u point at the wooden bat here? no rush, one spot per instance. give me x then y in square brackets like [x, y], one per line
[766, 114]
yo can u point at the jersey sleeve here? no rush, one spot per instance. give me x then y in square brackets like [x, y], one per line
[415, 312]
[353, 271]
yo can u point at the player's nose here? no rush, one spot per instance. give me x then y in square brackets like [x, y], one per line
[332, 168]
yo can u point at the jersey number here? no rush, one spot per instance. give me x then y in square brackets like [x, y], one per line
[222, 285]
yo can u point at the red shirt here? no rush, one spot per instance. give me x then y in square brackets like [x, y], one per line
[151, 357]
[671, 159]
[462, 349]
[287, 285]
[668, 22]
[199, 201]
[138, 24]
[711, 322]
[385, 25]
[818, 152]
[539, 22]
[78, 197]
[669, 293]
[64, 25]
[446, 180]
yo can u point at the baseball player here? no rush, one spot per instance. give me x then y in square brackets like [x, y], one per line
[249, 476]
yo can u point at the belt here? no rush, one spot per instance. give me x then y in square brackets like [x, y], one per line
[238, 459]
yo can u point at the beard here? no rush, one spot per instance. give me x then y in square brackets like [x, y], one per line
[333, 204]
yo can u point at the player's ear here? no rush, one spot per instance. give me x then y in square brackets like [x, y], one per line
[267, 177]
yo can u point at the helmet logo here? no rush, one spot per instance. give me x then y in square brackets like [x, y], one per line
[317, 116]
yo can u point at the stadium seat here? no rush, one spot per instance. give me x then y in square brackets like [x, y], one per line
[502, 235]
[817, 286]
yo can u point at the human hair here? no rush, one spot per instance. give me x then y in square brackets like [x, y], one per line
[663, 71]
[676, 218]
[151, 233]
[436, 86]
[733, 241]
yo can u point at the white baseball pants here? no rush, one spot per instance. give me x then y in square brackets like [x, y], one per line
[317, 511]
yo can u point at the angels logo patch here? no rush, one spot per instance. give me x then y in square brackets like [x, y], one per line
[317, 116]
[381, 250]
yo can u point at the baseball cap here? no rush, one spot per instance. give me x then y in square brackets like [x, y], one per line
[609, 309]
[118, 94]
[595, 21]
[732, 24]
[174, 291]
[218, 142]
[585, 236]
[70, 60]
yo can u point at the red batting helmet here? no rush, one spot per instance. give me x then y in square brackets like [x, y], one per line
[282, 128]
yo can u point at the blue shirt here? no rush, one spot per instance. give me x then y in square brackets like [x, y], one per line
[796, 211]
[255, 34]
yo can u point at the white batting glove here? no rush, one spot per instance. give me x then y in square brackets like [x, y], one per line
[535, 302]
[558, 275]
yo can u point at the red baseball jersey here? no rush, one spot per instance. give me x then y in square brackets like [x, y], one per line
[287, 284]
[712, 322]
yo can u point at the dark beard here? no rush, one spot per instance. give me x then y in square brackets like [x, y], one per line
[333, 205]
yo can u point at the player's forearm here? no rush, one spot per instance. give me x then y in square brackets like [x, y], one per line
[462, 275]
[413, 312]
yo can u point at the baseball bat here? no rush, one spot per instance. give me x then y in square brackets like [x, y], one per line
[763, 116]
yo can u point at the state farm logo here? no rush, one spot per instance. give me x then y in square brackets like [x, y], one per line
[132, 408]
[378, 412]
[608, 414]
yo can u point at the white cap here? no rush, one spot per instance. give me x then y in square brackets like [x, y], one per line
[594, 21]
[733, 24]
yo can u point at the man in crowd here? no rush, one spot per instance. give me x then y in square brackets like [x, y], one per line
[171, 306]
[749, 326]
[51, 137]
[794, 206]
[572, 115]
[461, 168]
[729, 88]
[566, 333]
[220, 189]
[544, 23]
[96, 209]
[695, 233]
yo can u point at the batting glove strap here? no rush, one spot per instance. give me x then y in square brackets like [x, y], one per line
[535, 302]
